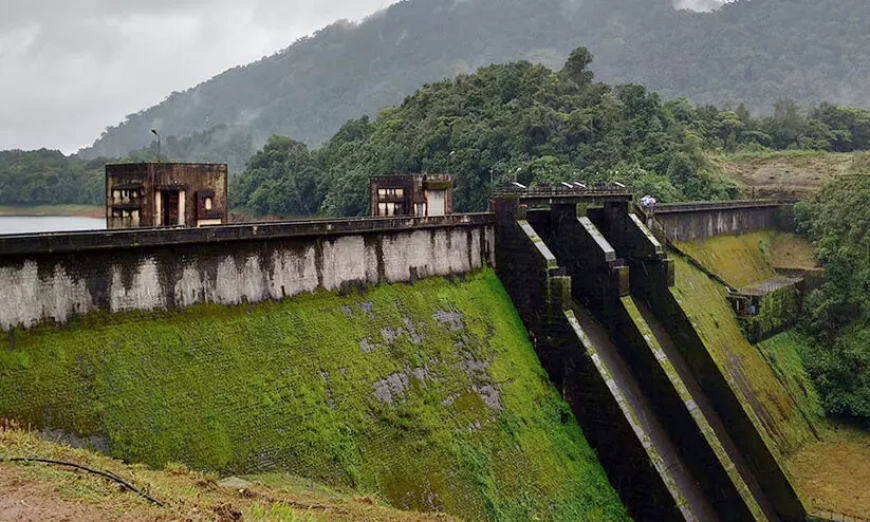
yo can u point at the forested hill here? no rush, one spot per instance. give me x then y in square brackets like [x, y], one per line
[754, 51]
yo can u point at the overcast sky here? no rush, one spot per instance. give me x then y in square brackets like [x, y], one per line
[70, 68]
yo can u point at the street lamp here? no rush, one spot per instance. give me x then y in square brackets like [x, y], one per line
[154, 132]
[452, 152]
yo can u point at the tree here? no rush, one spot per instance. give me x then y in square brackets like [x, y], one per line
[577, 67]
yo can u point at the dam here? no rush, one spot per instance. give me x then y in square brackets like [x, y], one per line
[535, 360]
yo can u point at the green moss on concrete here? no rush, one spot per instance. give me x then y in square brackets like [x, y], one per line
[784, 353]
[739, 260]
[777, 310]
[697, 416]
[429, 396]
[705, 303]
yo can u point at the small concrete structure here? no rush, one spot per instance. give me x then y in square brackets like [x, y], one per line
[767, 308]
[428, 195]
[165, 195]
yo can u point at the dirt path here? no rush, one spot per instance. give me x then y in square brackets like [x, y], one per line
[30, 499]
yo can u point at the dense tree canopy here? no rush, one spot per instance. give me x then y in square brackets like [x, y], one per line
[527, 123]
[516, 121]
[47, 177]
[754, 51]
[506, 122]
[838, 314]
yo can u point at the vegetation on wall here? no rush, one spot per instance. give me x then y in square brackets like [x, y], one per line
[737, 259]
[838, 313]
[429, 396]
[789, 424]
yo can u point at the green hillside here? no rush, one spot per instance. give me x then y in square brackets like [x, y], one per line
[428, 396]
[755, 52]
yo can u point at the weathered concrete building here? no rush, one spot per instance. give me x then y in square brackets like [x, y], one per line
[429, 195]
[165, 195]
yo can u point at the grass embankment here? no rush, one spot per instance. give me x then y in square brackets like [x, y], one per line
[739, 260]
[428, 396]
[784, 174]
[792, 251]
[91, 211]
[35, 491]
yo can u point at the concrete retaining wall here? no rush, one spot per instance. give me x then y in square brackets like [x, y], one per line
[705, 457]
[689, 222]
[57, 276]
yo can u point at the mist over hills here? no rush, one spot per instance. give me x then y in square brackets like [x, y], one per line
[753, 51]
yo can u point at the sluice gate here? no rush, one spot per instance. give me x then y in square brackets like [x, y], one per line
[593, 288]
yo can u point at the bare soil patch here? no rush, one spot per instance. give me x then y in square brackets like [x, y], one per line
[29, 499]
[35, 492]
[784, 176]
[792, 251]
[835, 472]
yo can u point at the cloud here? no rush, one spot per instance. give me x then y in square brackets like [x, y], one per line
[703, 6]
[70, 69]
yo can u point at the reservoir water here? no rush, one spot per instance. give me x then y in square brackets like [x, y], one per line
[35, 224]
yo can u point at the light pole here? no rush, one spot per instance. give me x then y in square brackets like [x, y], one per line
[449, 156]
[154, 131]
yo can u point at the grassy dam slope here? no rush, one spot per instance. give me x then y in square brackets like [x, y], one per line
[429, 396]
[825, 458]
[786, 421]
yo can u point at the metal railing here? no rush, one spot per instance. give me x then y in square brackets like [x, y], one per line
[668, 208]
[560, 191]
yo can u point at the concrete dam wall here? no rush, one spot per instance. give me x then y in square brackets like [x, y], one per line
[693, 221]
[296, 346]
[55, 277]
[665, 397]
[427, 395]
